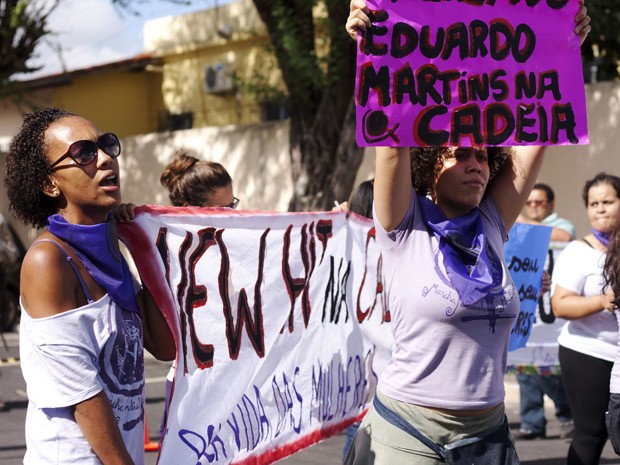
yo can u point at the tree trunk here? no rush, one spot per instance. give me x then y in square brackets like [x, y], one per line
[324, 173]
[320, 85]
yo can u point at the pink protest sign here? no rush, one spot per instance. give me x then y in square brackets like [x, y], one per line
[470, 72]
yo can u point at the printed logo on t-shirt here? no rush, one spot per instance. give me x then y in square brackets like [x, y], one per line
[491, 308]
[121, 367]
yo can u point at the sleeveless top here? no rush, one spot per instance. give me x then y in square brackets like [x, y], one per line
[70, 357]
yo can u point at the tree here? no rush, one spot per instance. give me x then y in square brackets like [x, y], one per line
[324, 153]
[23, 24]
[601, 51]
[317, 60]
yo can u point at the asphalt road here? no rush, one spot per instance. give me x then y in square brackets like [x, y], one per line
[549, 451]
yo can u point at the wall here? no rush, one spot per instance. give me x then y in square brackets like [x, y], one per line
[183, 84]
[232, 35]
[566, 169]
[255, 156]
[122, 102]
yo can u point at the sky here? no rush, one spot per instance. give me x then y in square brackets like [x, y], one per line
[92, 32]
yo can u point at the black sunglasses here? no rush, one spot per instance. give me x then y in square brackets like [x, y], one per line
[84, 152]
[234, 204]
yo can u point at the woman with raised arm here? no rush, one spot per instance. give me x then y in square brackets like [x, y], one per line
[85, 320]
[442, 216]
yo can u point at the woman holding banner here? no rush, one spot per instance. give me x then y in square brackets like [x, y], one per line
[85, 320]
[588, 341]
[191, 182]
[442, 216]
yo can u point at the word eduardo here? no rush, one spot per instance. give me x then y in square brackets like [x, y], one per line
[486, 108]
[476, 39]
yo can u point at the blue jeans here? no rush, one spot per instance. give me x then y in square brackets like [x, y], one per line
[351, 431]
[532, 389]
[612, 421]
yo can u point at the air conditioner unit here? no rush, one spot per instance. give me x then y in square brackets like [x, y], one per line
[218, 78]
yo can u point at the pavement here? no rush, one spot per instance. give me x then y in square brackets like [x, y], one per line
[549, 451]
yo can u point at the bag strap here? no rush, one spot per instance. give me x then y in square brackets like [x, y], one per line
[587, 242]
[407, 427]
[89, 298]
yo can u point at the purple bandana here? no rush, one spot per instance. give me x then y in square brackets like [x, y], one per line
[463, 244]
[97, 248]
[603, 237]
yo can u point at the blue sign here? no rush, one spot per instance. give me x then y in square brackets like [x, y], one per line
[526, 251]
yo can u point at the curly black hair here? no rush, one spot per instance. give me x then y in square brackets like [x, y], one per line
[426, 163]
[27, 168]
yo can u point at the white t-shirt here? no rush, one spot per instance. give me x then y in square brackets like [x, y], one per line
[580, 269]
[70, 357]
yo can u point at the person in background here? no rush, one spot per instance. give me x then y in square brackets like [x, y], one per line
[611, 272]
[85, 320]
[197, 183]
[360, 203]
[539, 210]
[588, 341]
[442, 215]
[362, 198]
[191, 182]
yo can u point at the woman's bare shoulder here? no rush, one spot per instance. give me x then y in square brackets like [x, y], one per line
[47, 283]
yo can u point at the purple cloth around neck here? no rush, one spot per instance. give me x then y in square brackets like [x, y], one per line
[97, 248]
[463, 245]
[603, 237]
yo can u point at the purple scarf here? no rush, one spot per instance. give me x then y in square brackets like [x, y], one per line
[97, 248]
[603, 237]
[463, 245]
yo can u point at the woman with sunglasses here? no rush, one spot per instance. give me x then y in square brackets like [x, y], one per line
[85, 320]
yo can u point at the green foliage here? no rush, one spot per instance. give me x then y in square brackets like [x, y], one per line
[315, 55]
[602, 47]
[23, 24]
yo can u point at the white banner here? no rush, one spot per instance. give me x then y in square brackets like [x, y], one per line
[281, 327]
[277, 319]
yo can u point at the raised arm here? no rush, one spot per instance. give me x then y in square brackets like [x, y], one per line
[158, 339]
[511, 187]
[393, 187]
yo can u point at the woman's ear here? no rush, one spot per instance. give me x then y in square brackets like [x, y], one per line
[50, 188]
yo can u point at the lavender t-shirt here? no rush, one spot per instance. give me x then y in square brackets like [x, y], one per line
[445, 355]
